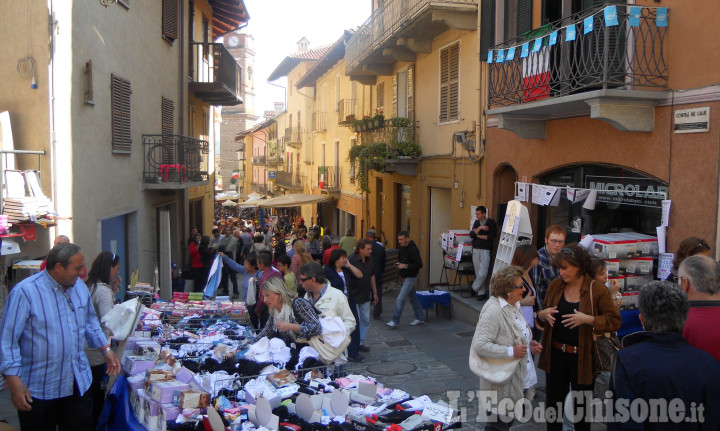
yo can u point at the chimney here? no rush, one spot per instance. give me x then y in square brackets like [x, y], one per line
[303, 44]
[279, 107]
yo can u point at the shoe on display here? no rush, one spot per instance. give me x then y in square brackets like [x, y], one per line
[416, 322]
[392, 324]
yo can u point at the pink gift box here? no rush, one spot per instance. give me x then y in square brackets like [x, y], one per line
[163, 391]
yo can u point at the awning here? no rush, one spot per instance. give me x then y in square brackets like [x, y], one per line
[253, 201]
[229, 203]
[293, 200]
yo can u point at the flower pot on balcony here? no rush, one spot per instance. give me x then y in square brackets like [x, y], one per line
[376, 124]
[364, 127]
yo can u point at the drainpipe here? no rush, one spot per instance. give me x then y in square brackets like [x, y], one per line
[51, 92]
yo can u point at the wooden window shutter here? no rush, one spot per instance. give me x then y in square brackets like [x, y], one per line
[394, 95]
[120, 113]
[168, 112]
[487, 27]
[524, 17]
[170, 19]
[381, 95]
[411, 93]
[450, 83]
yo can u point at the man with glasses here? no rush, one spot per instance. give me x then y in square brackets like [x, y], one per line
[544, 273]
[699, 278]
[483, 235]
[46, 321]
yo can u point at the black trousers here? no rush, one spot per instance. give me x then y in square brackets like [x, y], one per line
[563, 375]
[377, 310]
[97, 391]
[73, 413]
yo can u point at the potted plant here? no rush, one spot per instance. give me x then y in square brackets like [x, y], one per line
[357, 125]
[378, 119]
[366, 121]
[408, 150]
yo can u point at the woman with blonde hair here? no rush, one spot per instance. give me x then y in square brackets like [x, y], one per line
[290, 318]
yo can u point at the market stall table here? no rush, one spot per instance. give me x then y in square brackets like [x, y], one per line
[438, 297]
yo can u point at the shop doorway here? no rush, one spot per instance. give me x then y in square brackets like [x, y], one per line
[114, 238]
[503, 191]
[629, 201]
[403, 212]
[440, 215]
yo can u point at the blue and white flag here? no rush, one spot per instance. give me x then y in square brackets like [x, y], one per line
[588, 25]
[661, 17]
[537, 44]
[490, 56]
[500, 56]
[570, 33]
[552, 39]
[525, 50]
[510, 54]
[611, 18]
[634, 16]
[213, 277]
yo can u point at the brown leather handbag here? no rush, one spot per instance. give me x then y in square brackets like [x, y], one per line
[604, 345]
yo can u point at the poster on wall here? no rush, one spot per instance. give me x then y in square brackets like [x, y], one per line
[665, 265]
[521, 192]
[634, 191]
[693, 120]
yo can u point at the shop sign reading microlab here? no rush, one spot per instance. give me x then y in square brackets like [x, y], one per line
[692, 120]
[642, 192]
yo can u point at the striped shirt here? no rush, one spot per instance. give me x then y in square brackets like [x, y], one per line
[43, 333]
[543, 274]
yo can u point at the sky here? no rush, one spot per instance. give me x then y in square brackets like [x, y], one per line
[277, 26]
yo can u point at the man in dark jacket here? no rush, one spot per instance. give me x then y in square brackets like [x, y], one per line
[363, 289]
[483, 234]
[409, 263]
[379, 256]
[658, 367]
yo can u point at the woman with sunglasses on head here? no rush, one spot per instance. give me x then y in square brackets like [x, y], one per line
[569, 317]
[102, 284]
[690, 246]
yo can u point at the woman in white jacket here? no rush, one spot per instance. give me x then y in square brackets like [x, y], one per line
[502, 338]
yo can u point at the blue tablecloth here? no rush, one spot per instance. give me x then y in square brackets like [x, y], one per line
[427, 299]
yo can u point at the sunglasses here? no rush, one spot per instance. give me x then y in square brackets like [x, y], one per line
[566, 250]
[304, 279]
[702, 244]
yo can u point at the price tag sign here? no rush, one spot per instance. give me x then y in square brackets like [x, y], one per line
[440, 413]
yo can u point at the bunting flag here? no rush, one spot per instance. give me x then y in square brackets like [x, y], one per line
[490, 57]
[570, 33]
[611, 18]
[661, 17]
[537, 44]
[510, 54]
[588, 25]
[500, 56]
[552, 39]
[524, 51]
[634, 16]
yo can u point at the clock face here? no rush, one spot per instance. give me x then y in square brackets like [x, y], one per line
[233, 40]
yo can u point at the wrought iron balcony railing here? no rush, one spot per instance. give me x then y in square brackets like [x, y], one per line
[172, 160]
[215, 76]
[259, 188]
[387, 21]
[391, 131]
[293, 137]
[328, 178]
[347, 111]
[629, 56]
[259, 160]
[318, 121]
[275, 159]
[288, 180]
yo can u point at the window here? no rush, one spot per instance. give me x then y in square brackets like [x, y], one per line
[337, 93]
[353, 142]
[249, 75]
[450, 83]
[120, 113]
[170, 19]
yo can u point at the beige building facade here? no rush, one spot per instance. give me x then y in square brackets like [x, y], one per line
[126, 135]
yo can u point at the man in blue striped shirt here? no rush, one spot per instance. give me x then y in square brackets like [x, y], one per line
[46, 320]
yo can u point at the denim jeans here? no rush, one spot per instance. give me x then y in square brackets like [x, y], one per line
[481, 263]
[408, 290]
[364, 319]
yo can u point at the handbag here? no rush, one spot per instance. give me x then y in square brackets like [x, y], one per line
[604, 345]
[251, 292]
[333, 340]
[495, 370]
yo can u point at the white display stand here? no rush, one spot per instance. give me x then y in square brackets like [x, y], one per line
[515, 225]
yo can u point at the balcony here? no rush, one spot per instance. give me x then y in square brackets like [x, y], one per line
[275, 159]
[401, 29]
[391, 131]
[288, 180]
[293, 137]
[318, 121]
[174, 162]
[259, 160]
[214, 75]
[347, 112]
[328, 179]
[259, 188]
[613, 73]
